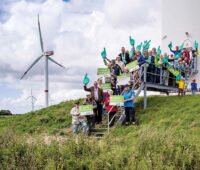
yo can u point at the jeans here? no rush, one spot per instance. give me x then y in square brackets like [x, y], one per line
[84, 127]
[193, 92]
[90, 122]
[98, 112]
[130, 114]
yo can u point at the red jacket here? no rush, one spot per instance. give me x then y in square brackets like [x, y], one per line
[108, 107]
[187, 56]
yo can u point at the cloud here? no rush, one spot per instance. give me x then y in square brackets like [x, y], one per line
[77, 31]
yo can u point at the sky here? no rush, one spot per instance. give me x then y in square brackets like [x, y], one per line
[77, 31]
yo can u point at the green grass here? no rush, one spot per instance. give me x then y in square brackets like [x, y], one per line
[167, 137]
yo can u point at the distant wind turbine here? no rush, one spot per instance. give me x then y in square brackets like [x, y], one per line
[47, 57]
[33, 99]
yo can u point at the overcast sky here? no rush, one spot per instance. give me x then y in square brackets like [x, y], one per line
[77, 31]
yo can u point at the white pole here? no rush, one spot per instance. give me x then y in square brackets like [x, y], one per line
[46, 82]
[32, 100]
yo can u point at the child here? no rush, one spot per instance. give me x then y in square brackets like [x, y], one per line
[193, 87]
[181, 86]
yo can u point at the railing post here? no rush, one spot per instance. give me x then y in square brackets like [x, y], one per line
[145, 87]
[108, 123]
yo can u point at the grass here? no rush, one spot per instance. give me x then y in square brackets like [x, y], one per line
[167, 137]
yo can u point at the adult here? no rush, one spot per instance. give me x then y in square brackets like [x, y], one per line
[111, 110]
[141, 61]
[193, 58]
[120, 63]
[90, 118]
[129, 96]
[97, 96]
[151, 68]
[124, 56]
[176, 51]
[193, 87]
[77, 119]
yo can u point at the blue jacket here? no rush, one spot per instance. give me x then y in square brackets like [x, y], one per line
[175, 52]
[193, 86]
[141, 60]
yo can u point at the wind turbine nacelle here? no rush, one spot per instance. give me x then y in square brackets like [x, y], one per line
[49, 53]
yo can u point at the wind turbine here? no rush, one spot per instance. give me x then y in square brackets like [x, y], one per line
[46, 55]
[33, 99]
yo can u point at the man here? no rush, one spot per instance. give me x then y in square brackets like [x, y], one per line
[77, 119]
[175, 52]
[129, 96]
[193, 57]
[97, 96]
[90, 118]
[124, 56]
[151, 67]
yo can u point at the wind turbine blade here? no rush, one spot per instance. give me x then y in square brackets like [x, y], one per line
[31, 66]
[56, 62]
[40, 34]
[28, 97]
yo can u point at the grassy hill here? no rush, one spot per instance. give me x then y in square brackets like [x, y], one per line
[167, 137]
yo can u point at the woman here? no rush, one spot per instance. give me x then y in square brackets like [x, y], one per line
[129, 96]
[111, 110]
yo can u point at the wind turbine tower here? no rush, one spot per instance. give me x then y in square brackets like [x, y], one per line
[46, 55]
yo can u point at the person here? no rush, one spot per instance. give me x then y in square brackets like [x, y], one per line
[181, 86]
[192, 57]
[175, 52]
[141, 61]
[124, 56]
[194, 87]
[129, 96]
[152, 67]
[120, 63]
[114, 87]
[90, 118]
[97, 96]
[77, 119]
[164, 72]
[99, 82]
[111, 110]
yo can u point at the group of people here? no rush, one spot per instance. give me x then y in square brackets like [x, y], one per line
[158, 71]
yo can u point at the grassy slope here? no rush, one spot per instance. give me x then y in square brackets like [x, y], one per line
[167, 138]
[182, 114]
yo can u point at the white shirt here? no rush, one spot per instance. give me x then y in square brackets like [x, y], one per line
[96, 96]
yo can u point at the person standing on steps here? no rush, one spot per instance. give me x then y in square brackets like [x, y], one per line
[90, 118]
[129, 106]
[97, 96]
[111, 110]
[77, 119]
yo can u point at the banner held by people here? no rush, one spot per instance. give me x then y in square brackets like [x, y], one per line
[132, 66]
[116, 100]
[103, 71]
[123, 79]
[86, 110]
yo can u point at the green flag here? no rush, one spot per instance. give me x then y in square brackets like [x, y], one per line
[181, 46]
[177, 56]
[86, 80]
[146, 45]
[139, 47]
[196, 45]
[178, 78]
[132, 41]
[103, 53]
[159, 51]
[170, 45]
